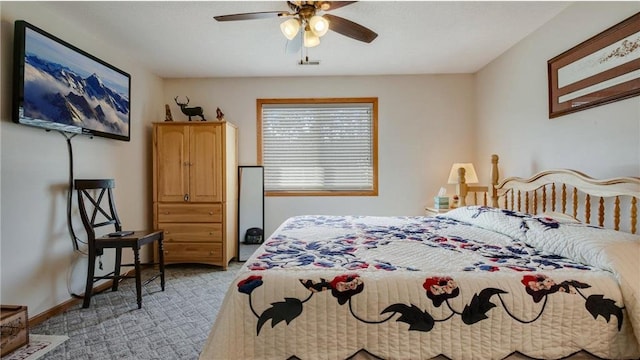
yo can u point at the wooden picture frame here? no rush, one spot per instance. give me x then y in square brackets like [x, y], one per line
[598, 71]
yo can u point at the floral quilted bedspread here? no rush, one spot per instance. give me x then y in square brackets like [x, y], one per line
[360, 242]
[477, 282]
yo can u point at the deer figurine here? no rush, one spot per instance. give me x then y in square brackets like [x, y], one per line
[190, 111]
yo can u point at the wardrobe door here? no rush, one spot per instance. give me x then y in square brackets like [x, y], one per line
[172, 155]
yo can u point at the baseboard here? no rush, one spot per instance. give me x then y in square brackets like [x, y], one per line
[59, 309]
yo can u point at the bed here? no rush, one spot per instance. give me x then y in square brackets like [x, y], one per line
[543, 270]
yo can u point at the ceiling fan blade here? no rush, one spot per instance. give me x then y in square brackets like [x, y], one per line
[337, 4]
[350, 29]
[251, 16]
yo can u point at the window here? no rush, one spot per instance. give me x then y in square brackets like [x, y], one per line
[319, 146]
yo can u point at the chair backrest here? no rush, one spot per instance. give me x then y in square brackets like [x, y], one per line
[96, 210]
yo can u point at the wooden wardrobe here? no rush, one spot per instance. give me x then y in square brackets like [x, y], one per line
[195, 191]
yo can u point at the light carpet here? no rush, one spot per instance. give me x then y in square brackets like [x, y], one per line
[171, 325]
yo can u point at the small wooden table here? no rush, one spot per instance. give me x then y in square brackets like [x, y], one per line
[431, 211]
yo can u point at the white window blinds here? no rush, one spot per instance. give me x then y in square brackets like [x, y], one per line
[318, 147]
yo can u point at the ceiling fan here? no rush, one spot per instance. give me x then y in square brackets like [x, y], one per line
[307, 17]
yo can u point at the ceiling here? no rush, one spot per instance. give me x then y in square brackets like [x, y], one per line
[181, 39]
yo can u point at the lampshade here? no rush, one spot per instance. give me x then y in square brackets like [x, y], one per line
[310, 39]
[290, 28]
[319, 25]
[470, 176]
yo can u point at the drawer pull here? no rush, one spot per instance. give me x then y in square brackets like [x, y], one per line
[166, 213]
[210, 212]
[210, 233]
[210, 252]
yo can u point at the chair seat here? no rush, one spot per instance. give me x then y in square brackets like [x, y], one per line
[138, 238]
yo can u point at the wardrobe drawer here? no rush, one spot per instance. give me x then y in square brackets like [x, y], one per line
[189, 213]
[204, 253]
[177, 232]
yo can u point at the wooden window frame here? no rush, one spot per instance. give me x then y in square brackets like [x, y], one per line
[372, 100]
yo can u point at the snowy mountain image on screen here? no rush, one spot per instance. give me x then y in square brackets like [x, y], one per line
[56, 93]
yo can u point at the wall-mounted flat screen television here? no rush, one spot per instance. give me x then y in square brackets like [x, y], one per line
[57, 86]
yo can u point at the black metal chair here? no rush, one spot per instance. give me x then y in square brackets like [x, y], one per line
[97, 211]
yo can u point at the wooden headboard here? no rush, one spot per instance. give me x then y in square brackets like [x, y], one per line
[610, 203]
[606, 203]
[486, 192]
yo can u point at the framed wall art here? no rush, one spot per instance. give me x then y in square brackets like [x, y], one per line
[600, 70]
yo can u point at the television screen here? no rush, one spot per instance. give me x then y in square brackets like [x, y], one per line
[60, 87]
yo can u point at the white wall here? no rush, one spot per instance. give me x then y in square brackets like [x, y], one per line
[512, 108]
[425, 123]
[38, 265]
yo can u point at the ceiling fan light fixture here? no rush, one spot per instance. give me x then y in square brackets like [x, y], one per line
[319, 25]
[290, 28]
[310, 39]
